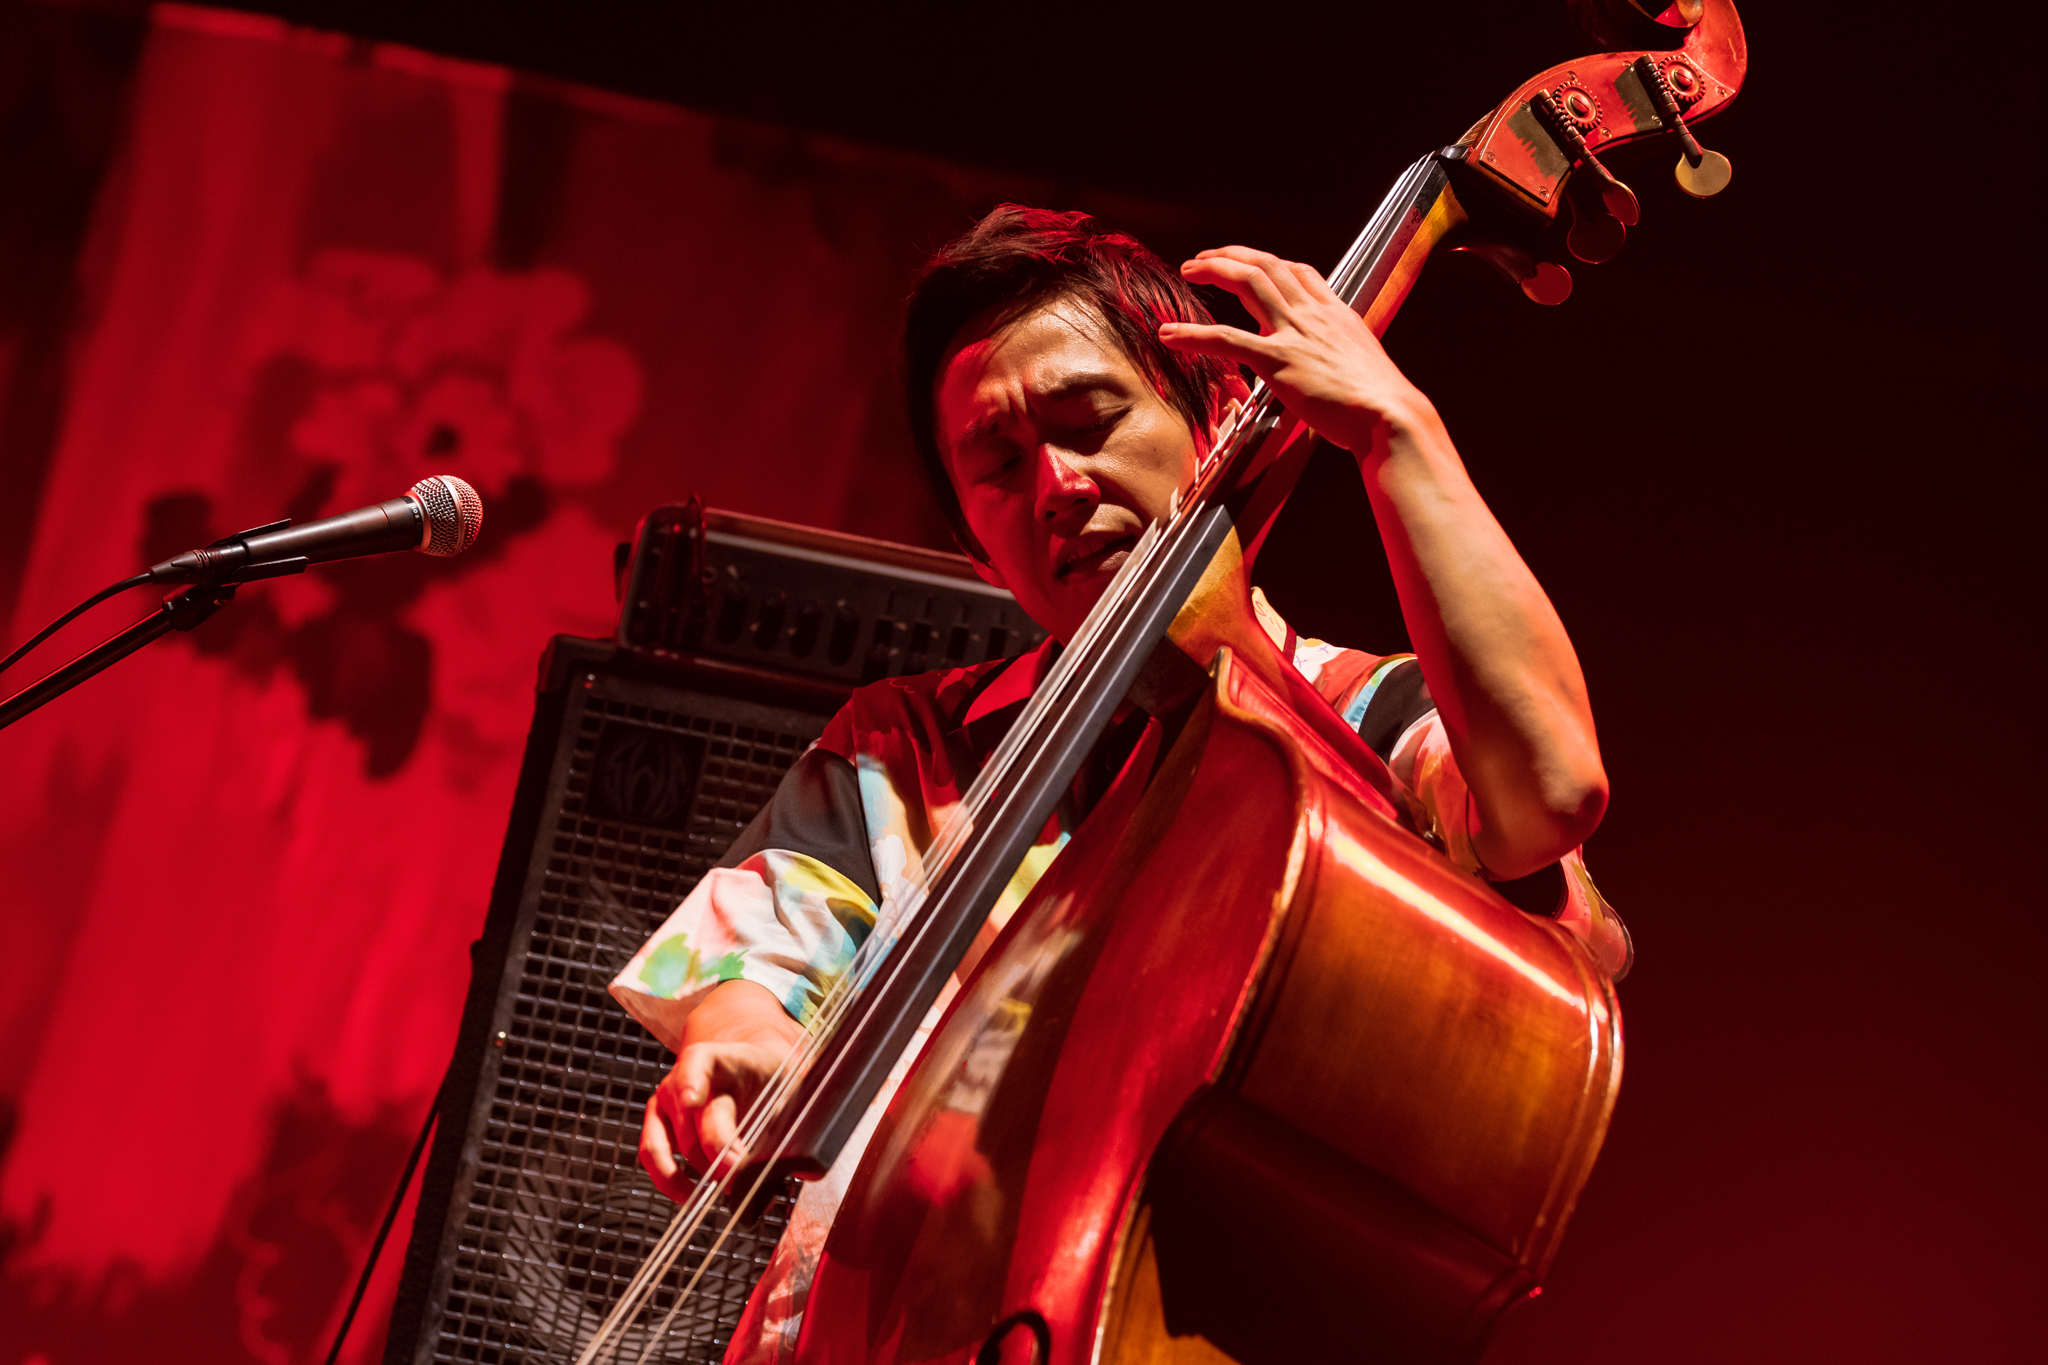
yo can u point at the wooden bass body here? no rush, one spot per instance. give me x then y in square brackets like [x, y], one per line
[1254, 1074]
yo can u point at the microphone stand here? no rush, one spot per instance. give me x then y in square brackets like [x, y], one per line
[182, 610]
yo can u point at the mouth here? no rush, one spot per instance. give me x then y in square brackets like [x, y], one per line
[1094, 555]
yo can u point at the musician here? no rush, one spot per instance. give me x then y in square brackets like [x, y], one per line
[1062, 384]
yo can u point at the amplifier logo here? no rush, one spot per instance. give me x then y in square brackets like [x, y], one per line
[645, 777]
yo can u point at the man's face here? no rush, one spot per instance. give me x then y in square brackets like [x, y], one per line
[1062, 453]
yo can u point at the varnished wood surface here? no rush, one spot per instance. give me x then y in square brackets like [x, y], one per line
[1418, 1024]
[1243, 921]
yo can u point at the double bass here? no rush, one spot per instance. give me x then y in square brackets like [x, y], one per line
[1254, 1073]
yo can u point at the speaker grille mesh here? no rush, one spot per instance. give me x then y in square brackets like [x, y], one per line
[557, 1215]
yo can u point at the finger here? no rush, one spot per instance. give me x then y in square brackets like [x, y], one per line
[1249, 255]
[693, 1074]
[1312, 283]
[718, 1132]
[657, 1153]
[1255, 288]
[1287, 276]
[1214, 338]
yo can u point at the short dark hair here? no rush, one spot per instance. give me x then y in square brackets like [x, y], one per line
[1015, 260]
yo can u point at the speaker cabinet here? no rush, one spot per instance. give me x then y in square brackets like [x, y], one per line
[534, 1213]
[738, 638]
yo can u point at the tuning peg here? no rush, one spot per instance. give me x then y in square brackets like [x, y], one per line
[1603, 208]
[1545, 282]
[1597, 231]
[1699, 172]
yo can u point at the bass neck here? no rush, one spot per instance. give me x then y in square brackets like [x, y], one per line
[1374, 277]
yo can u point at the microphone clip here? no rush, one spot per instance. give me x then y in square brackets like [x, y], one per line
[225, 562]
[272, 568]
[250, 573]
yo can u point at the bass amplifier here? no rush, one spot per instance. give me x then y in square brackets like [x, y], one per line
[649, 753]
[813, 602]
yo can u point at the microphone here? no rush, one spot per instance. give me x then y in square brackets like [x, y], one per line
[438, 516]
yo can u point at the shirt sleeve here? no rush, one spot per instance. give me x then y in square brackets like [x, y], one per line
[1441, 806]
[786, 908]
[780, 919]
[1395, 715]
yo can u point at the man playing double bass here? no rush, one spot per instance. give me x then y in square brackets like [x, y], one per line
[1063, 384]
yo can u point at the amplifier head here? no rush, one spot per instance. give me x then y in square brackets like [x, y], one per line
[822, 603]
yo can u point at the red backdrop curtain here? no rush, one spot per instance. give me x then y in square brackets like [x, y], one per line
[241, 872]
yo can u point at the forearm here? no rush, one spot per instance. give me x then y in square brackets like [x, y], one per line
[741, 1012]
[1498, 662]
[1505, 677]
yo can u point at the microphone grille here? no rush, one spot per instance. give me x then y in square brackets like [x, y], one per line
[455, 514]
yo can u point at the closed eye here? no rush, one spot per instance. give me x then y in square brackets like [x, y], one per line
[1086, 437]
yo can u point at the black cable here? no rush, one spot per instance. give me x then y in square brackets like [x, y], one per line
[390, 1216]
[68, 617]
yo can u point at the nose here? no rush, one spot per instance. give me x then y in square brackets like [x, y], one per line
[1065, 491]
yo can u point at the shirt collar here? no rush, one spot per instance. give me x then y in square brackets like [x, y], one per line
[1014, 683]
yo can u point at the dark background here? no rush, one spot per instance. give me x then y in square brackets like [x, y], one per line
[1770, 464]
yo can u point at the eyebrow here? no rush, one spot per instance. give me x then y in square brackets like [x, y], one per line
[1067, 387]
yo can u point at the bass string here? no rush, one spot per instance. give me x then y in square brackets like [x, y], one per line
[688, 1220]
[704, 1264]
[709, 1194]
[1053, 694]
[1051, 704]
[944, 853]
[1057, 697]
[690, 1217]
[850, 986]
[853, 985]
[682, 1229]
[671, 1248]
[627, 1307]
[1245, 422]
